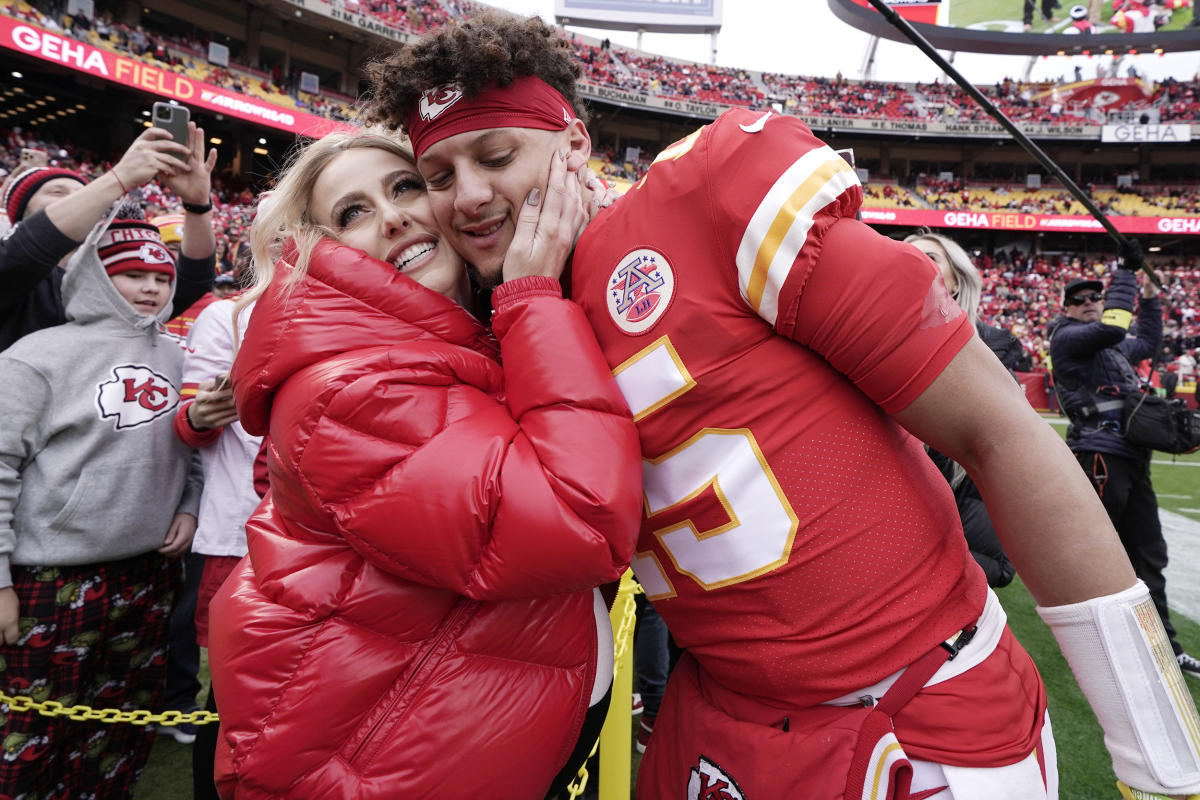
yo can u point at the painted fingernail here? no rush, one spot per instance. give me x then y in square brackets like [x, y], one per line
[534, 197]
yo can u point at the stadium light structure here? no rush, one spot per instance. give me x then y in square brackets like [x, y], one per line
[914, 36]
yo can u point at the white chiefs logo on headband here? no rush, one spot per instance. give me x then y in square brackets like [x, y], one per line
[435, 101]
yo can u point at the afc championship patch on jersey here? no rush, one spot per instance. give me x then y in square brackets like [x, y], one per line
[640, 290]
[135, 395]
[708, 781]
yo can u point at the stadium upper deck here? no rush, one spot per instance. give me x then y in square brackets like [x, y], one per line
[902, 133]
[658, 84]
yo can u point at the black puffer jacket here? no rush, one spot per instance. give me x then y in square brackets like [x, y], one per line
[1008, 348]
[1087, 356]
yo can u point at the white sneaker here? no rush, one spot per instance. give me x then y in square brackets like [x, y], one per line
[643, 733]
[184, 733]
[637, 704]
[1189, 665]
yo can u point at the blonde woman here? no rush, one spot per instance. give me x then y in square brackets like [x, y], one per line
[966, 287]
[417, 615]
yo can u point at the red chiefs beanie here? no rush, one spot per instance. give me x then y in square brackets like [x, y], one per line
[22, 188]
[128, 244]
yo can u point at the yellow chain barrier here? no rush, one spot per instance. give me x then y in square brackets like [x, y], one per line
[622, 638]
[81, 713]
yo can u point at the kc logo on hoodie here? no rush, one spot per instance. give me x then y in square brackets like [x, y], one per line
[135, 395]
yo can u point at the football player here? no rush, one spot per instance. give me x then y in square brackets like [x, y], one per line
[782, 362]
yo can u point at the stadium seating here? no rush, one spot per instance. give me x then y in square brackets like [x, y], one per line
[888, 195]
[1150, 201]
[1021, 293]
[630, 70]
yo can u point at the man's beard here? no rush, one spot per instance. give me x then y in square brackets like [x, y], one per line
[485, 282]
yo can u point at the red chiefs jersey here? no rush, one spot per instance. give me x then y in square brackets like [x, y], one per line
[796, 540]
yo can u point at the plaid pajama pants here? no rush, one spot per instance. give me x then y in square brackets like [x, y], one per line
[94, 635]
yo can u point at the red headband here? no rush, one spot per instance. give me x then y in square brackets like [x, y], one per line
[527, 102]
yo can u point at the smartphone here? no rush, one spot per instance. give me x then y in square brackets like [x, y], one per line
[174, 120]
[34, 158]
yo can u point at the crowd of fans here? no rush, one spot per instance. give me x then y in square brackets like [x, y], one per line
[954, 195]
[1176, 100]
[233, 202]
[889, 195]
[188, 56]
[623, 169]
[838, 97]
[623, 68]
[416, 16]
[945, 102]
[1022, 291]
[1148, 200]
[1022, 294]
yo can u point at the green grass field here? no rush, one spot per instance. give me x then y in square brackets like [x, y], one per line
[1006, 15]
[1084, 768]
[1176, 478]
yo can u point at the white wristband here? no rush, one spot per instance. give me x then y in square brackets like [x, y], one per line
[1121, 657]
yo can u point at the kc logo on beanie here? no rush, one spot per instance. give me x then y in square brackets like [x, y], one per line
[128, 245]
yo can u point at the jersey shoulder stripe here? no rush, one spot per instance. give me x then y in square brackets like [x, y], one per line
[779, 228]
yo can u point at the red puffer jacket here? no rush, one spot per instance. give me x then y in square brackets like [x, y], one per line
[416, 615]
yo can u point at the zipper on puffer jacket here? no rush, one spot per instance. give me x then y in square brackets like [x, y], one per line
[450, 623]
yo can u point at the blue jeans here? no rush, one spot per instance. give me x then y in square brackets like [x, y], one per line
[651, 657]
[183, 654]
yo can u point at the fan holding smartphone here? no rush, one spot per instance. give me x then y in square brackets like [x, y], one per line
[52, 210]
[173, 119]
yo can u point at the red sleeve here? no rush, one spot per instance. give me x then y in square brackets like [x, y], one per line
[878, 311]
[189, 435]
[430, 476]
[776, 189]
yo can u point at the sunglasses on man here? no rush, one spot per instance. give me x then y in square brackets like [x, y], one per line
[1080, 299]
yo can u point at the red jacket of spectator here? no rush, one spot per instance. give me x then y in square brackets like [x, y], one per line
[416, 616]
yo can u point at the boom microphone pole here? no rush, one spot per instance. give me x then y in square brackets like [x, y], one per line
[1030, 146]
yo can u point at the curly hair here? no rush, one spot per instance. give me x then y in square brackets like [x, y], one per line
[491, 48]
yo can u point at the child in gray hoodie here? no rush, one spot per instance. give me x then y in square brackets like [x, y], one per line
[95, 498]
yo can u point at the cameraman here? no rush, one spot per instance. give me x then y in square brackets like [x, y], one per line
[1093, 349]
